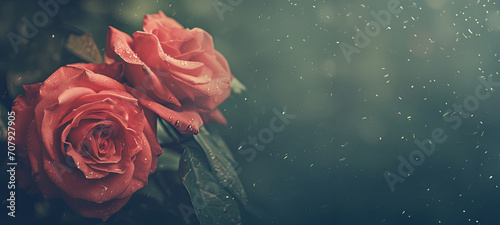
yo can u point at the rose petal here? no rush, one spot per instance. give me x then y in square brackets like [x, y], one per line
[45, 186]
[145, 79]
[201, 42]
[223, 63]
[150, 134]
[34, 150]
[114, 70]
[96, 210]
[83, 167]
[76, 185]
[142, 165]
[119, 168]
[72, 94]
[81, 136]
[186, 121]
[120, 44]
[57, 78]
[23, 108]
[149, 50]
[152, 21]
[132, 139]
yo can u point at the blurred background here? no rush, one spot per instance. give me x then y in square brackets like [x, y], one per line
[355, 115]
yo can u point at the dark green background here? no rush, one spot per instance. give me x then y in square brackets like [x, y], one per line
[353, 119]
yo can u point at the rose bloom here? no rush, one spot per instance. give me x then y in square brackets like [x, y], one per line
[177, 68]
[83, 137]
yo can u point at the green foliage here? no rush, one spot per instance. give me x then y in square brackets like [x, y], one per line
[208, 174]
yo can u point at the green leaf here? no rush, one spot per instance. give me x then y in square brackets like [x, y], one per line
[169, 160]
[237, 86]
[166, 134]
[84, 47]
[221, 161]
[212, 203]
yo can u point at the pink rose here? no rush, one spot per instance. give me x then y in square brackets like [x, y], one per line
[84, 138]
[177, 68]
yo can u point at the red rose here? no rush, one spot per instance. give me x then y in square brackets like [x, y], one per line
[85, 139]
[178, 68]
